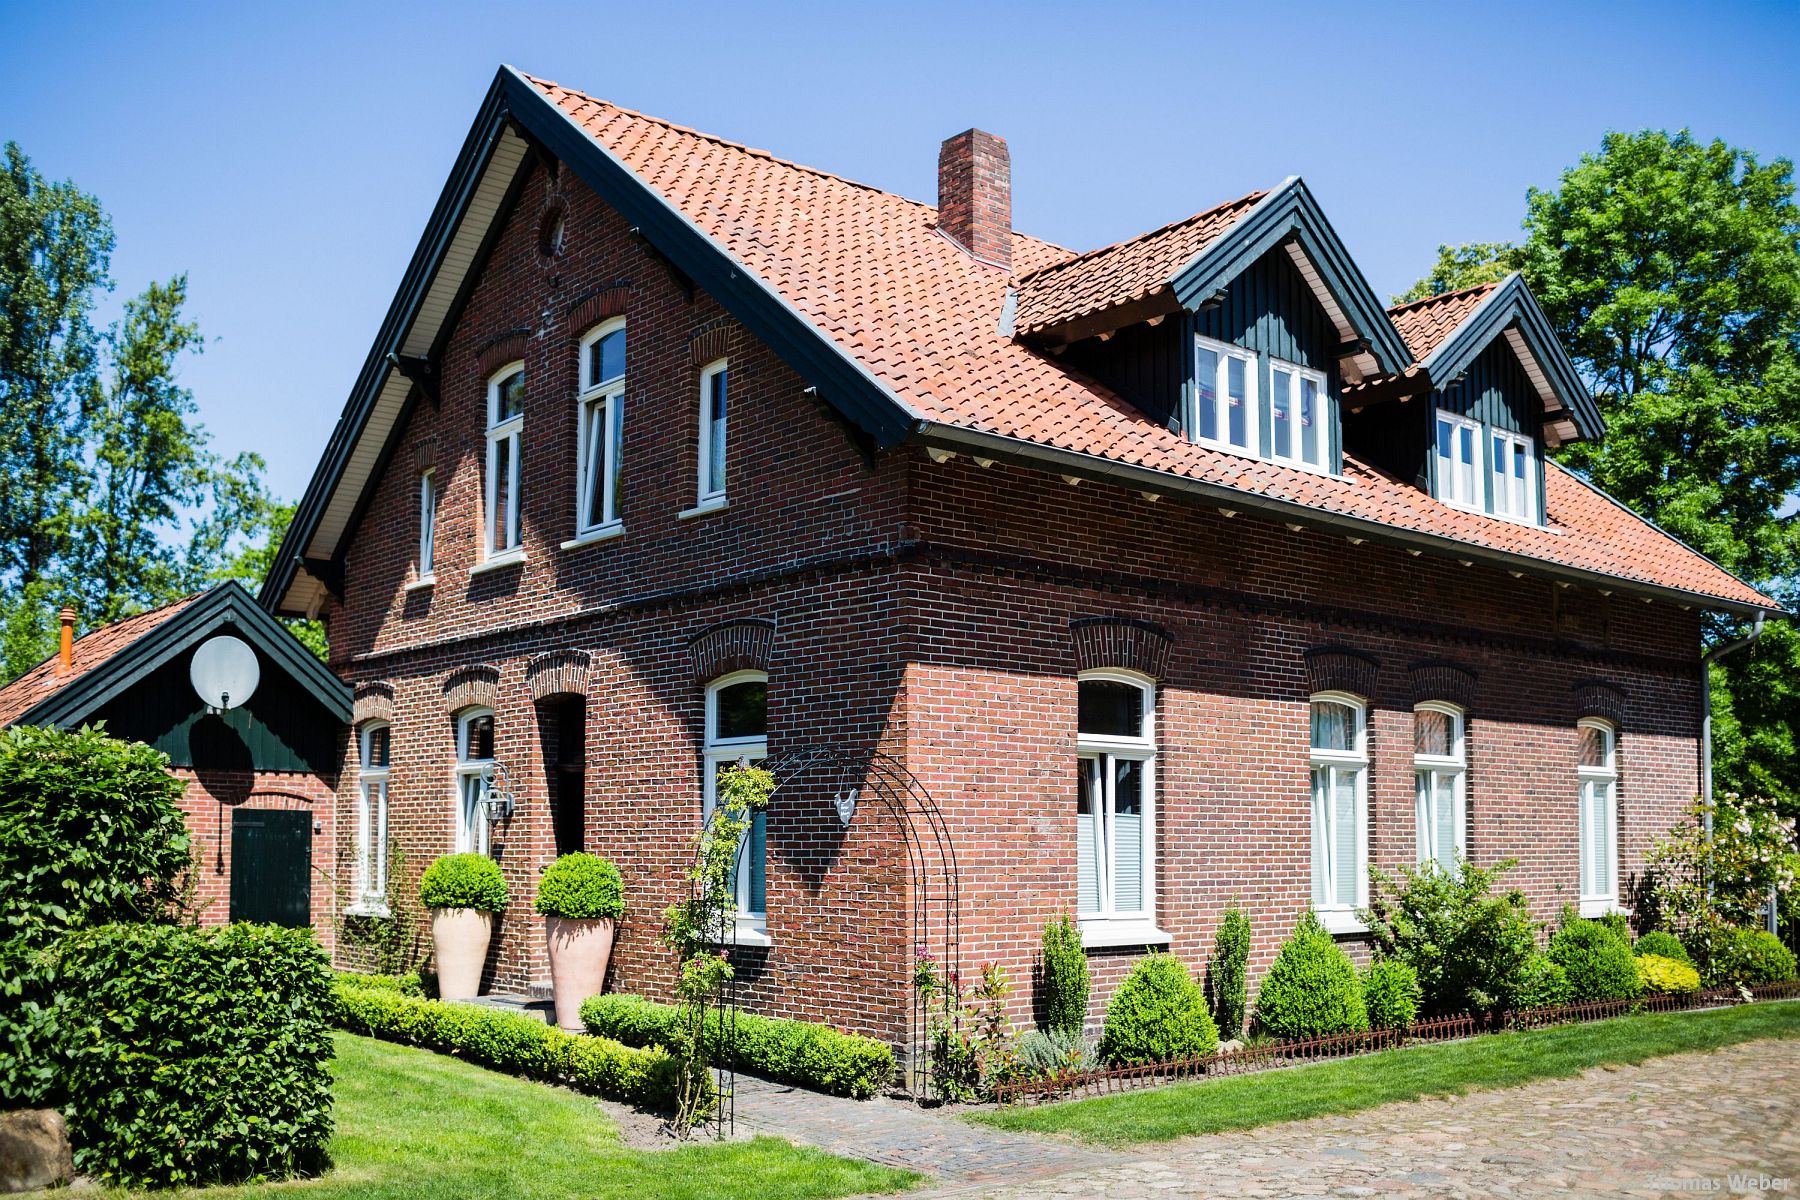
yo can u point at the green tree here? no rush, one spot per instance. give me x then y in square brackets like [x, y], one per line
[1465, 266]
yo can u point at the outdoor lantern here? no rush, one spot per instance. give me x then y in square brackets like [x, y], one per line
[496, 794]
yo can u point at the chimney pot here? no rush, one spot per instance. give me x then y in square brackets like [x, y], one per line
[975, 195]
[66, 651]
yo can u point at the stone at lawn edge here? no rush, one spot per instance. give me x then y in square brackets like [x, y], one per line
[34, 1150]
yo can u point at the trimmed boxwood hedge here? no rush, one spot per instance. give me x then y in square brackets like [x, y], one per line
[1312, 989]
[1157, 1015]
[196, 1055]
[1597, 962]
[408, 984]
[1663, 945]
[787, 1051]
[512, 1042]
[464, 881]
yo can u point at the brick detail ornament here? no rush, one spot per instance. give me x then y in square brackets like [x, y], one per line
[471, 686]
[1340, 669]
[742, 645]
[1122, 643]
[557, 673]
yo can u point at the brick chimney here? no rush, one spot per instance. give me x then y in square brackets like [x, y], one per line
[65, 658]
[975, 195]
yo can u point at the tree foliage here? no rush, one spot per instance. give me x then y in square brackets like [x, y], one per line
[1464, 266]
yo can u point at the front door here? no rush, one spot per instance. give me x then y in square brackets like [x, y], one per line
[271, 866]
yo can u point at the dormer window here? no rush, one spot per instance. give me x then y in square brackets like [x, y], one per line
[1255, 404]
[1459, 462]
[1225, 396]
[1296, 415]
[1515, 477]
[1486, 469]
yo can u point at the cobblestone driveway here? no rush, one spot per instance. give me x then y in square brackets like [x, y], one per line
[1670, 1127]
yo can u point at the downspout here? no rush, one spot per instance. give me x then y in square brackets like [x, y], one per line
[1716, 654]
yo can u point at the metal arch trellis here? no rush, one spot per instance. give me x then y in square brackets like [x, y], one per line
[934, 909]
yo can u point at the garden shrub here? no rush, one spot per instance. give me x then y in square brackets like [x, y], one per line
[1467, 942]
[1542, 984]
[1667, 976]
[1225, 973]
[1390, 994]
[90, 833]
[799, 1052]
[1157, 1015]
[1041, 1053]
[1065, 978]
[409, 984]
[581, 887]
[1312, 989]
[1597, 962]
[1616, 923]
[1749, 957]
[512, 1042]
[463, 881]
[1663, 945]
[196, 1055]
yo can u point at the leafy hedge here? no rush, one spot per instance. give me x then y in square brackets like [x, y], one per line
[1666, 975]
[512, 1042]
[1391, 994]
[1312, 989]
[408, 984]
[1663, 945]
[787, 1051]
[463, 881]
[1065, 978]
[1596, 960]
[196, 1055]
[1542, 983]
[581, 887]
[1157, 1015]
[1748, 956]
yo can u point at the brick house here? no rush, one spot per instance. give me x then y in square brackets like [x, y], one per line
[261, 775]
[1180, 571]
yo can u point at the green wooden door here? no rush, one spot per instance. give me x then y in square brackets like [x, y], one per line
[271, 867]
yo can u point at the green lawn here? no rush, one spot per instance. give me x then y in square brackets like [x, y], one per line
[412, 1125]
[1348, 1085]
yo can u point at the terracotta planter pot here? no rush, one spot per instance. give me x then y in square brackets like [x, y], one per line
[459, 938]
[579, 951]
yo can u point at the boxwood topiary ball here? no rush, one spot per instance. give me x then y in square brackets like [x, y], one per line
[463, 881]
[1157, 1015]
[581, 887]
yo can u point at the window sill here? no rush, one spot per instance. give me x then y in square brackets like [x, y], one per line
[749, 931]
[1340, 921]
[368, 908]
[1099, 933]
[1604, 906]
[421, 583]
[602, 533]
[710, 505]
[512, 558]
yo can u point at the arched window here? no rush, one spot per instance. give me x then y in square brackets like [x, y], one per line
[373, 743]
[474, 754]
[601, 408]
[1598, 772]
[737, 728]
[1115, 799]
[506, 426]
[1440, 769]
[1340, 837]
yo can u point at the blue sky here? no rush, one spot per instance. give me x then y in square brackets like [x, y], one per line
[286, 156]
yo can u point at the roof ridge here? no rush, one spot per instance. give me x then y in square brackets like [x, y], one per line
[1248, 197]
[1441, 296]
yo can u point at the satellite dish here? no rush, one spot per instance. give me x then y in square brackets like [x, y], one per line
[224, 671]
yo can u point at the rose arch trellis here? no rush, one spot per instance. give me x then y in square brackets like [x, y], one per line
[855, 780]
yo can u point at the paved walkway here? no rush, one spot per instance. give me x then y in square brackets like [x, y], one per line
[1677, 1126]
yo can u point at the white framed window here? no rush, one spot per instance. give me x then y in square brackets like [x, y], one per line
[1115, 805]
[474, 755]
[1513, 484]
[737, 729]
[1224, 396]
[715, 379]
[1459, 470]
[1598, 772]
[427, 524]
[506, 426]
[1297, 406]
[600, 444]
[1340, 826]
[374, 744]
[1440, 773]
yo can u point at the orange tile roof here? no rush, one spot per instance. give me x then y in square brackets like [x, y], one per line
[1122, 273]
[92, 649]
[1424, 324]
[871, 272]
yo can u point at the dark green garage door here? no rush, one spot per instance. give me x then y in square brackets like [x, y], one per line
[271, 867]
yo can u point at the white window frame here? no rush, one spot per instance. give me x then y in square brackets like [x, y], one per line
[1322, 421]
[371, 823]
[602, 399]
[1514, 499]
[1336, 917]
[427, 567]
[1429, 769]
[471, 827]
[1109, 924]
[1222, 399]
[751, 928]
[511, 432]
[707, 495]
[1605, 780]
[1476, 501]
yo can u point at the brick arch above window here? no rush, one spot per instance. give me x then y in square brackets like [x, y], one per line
[425, 453]
[471, 686]
[557, 673]
[587, 312]
[1439, 679]
[740, 645]
[1341, 669]
[1594, 698]
[374, 701]
[508, 347]
[710, 342]
[1120, 642]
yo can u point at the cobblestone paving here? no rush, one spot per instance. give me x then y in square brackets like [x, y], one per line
[1678, 1126]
